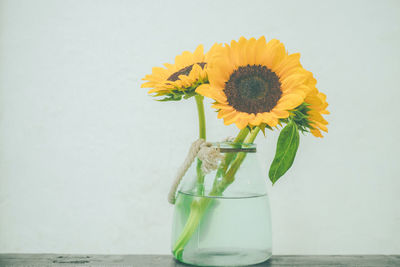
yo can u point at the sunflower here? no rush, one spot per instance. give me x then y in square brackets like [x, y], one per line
[257, 83]
[317, 106]
[181, 78]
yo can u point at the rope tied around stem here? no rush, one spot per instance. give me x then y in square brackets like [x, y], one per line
[210, 157]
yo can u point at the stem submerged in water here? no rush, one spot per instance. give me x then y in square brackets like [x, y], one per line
[197, 210]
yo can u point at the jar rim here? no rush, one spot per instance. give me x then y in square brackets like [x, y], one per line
[233, 147]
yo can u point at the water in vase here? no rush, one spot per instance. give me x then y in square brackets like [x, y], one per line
[232, 231]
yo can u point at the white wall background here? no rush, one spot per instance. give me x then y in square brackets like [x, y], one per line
[87, 157]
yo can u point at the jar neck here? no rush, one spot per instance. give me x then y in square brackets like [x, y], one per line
[232, 147]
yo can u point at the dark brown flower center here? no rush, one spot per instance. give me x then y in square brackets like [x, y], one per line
[185, 71]
[253, 89]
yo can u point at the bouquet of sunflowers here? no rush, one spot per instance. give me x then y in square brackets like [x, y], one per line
[256, 85]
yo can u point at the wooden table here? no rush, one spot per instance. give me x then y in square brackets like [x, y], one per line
[44, 260]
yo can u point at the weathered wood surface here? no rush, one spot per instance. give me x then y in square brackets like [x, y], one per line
[44, 260]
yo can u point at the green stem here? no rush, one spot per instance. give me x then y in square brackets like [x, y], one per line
[197, 210]
[200, 178]
[199, 207]
[229, 177]
[202, 118]
[250, 139]
[230, 156]
[202, 135]
[241, 135]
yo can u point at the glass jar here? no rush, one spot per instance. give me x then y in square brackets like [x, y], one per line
[223, 218]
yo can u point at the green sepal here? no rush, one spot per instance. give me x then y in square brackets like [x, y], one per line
[262, 128]
[286, 149]
[301, 118]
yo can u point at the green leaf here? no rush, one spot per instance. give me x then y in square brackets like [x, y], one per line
[286, 149]
[171, 97]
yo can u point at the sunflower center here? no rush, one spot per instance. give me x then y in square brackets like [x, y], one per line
[184, 71]
[253, 89]
[256, 84]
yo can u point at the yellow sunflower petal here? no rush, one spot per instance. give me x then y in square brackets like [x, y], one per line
[260, 50]
[256, 120]
[282, 114]
[316, 133]
[208, 91]
[223, 113]
[321, 126]
[267, 57]
[289, 102]
[250, 51]
[231, 118]
[241, 123]
[290, 62]
[293, 81]
[198, 54]
[221, 106]
[269, 119]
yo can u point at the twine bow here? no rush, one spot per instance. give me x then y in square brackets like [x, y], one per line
[210, 157]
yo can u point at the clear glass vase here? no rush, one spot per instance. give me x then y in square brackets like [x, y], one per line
[223, 218]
